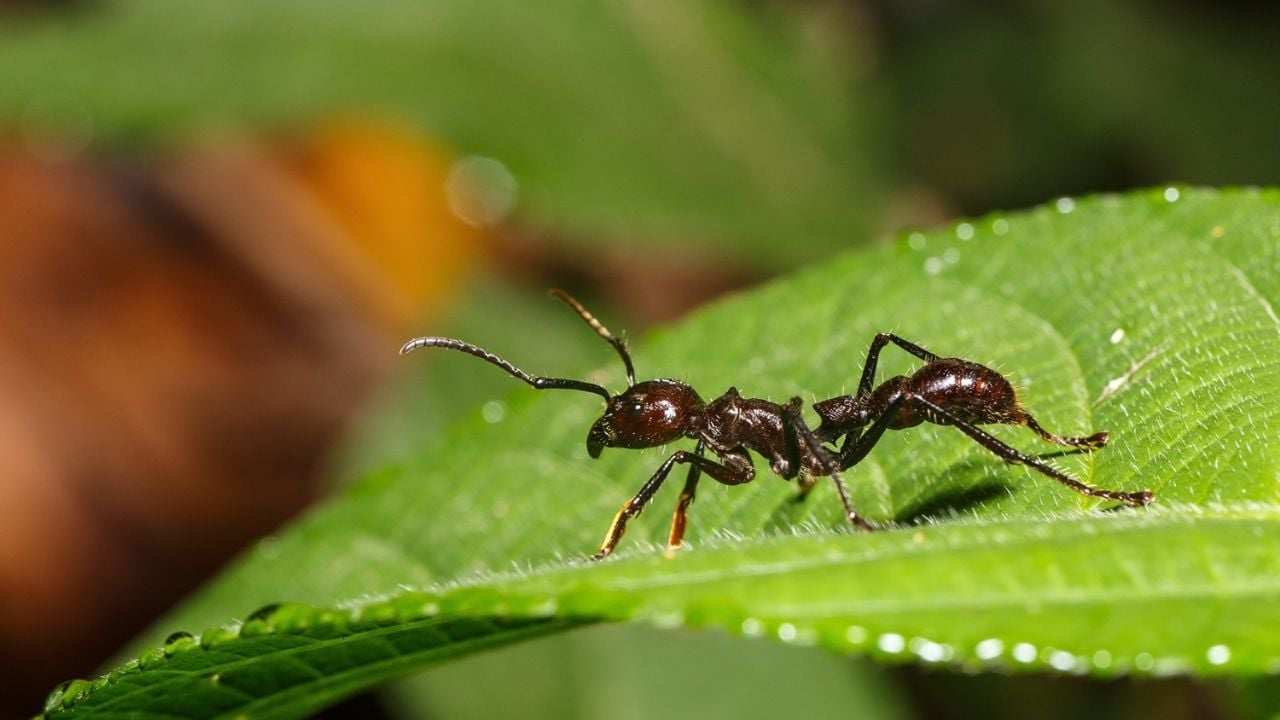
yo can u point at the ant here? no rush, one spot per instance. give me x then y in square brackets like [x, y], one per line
[948, 391]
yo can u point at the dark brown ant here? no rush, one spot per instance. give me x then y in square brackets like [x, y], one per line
[945, 391]
[656, 412]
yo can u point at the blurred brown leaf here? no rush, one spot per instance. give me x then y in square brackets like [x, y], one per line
[180, 344]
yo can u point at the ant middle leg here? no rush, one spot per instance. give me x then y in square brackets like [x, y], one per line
[793, 465]
[796, 428]
[873, 358]
[847, 414]
[736, 470]
[857, 444]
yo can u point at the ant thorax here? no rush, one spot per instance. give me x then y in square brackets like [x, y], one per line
[732, 421]
[841, 415]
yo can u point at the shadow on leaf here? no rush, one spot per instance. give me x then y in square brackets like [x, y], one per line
[951, 501]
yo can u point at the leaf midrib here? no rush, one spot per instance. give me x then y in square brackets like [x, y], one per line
[1134, 523]
[315, 644]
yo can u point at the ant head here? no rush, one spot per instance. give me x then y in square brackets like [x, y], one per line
[647, 414]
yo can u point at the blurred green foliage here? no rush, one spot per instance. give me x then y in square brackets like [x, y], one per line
[1007, 104]
[655, 121]
[774, 130]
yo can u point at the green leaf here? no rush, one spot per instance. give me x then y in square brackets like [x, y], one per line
[1151, 316]
[288, 662]
[663, 120]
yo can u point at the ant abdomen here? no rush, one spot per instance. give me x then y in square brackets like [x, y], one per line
[974, 393]
[971, 392]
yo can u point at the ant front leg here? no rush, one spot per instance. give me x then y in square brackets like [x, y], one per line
[873, 358]
[737, 470]
[796, 430]
[681, 517]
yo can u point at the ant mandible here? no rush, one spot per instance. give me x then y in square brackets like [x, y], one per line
[947, 391]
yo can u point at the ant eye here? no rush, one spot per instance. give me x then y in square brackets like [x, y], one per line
[635, 408]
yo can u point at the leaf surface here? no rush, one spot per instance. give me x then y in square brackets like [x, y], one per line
[1150, 315]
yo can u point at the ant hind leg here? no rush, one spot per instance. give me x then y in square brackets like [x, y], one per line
[1012, 455]
[1092, 442]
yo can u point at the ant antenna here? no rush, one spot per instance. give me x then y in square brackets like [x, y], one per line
[618, 344]
[540, 383]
